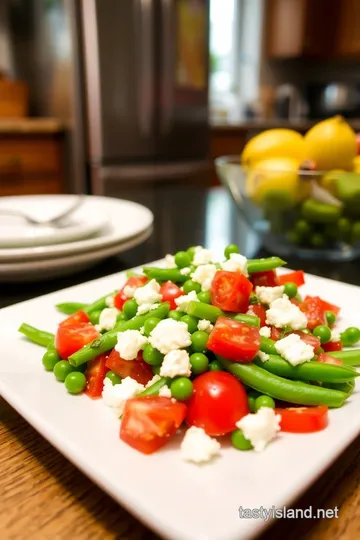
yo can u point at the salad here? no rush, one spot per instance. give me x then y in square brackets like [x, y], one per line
[227, 349]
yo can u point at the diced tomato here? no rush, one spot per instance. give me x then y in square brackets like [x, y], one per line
[230, 291]
[311, 340]
[134, 282]
[234, 340]
[303, 419]
[149, 422]
[332, 346]
[330, 307]
[328, 359]
[314, 310]
[72, 338]
[218, 402]
[295, 301]
[136, 369]
[259, 311]
[275, 333]
[169, 292]
[95, 374]
[296, 277]
[268, 278]
[76, 318]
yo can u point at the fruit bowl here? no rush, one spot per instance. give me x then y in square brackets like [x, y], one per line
[297, 212]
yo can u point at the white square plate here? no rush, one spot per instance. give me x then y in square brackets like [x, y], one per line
[179, 500]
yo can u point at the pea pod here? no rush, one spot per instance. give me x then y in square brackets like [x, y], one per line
[251, 320]
[347, 387]
[261, 265]
[40, 337]
[317, 212]
[165, 274]
[351, 358]
[279, 388]
[71, 307]
[204, 311]
[267, 345]
[153, 390]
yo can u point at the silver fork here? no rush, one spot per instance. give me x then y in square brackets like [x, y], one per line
[53, 221]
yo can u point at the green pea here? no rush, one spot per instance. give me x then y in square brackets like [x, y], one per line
[156, 370]
[251, 403]
[50, 359]
[182, 259]
[199, 340]
[264, 401]
[121, 316]
[239, 441]
[317, 240]
[130, 308]
[231, 248]
[94, 316]
[152, 356]
[330, 317]
[176, 315]
[114, 377]
[290, 289]
[150, 324]
[75, 382]
[62, 370]
[323, 332]
[191, 322]
[204, 297]
[200, 363]
[302, 227]
[352, 335]
[191, 285]
[191, 252]
[181, 388]
[214, 365]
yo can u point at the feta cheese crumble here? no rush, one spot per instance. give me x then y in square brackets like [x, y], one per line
[265, 331]
[185, 271]
[170, 261]
[263, 356]
[183, 301]
[115, 396]
[129, 291]
[165, 391]
[176, 363]
[236, 263]
[144, 308]
[107, 319]
[129, 343]
[205, 325]
[260, 428]
[335, 336]
[109, 301]
[202, 256]
[283, 313]
[148, 294]
[198, 447]
[152, 381]
[204, 275]
[294, 349]
[169, 335]
[267, 295]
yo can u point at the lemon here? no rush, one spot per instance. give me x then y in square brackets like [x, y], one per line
[356, 164]
[274, 143]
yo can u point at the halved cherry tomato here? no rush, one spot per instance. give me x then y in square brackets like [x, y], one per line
[95, 374]
[328, 359]
[309, 339]
[169, 292]
[330, 307]
[314, 310]
[303, 419]
[218, 402]
[332, 346]
[76, 318]
[136, 369]
[234, 340]
[259, 311]
[230, 291]
[135, 282]
[296, 277]
[71, 338]
[275, 333]
[268, 278]
[149, 422]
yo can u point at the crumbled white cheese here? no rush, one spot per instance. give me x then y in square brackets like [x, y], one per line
[198, 447]
[176, 363]
[202, 256]
[265, 331]
[335, 336]
[170, 261]
[165, 391]
[205, 325]
[185, 271]
[129, 343]
[129, 291]
[183, 301]
[236, 263]
[148, 294]
[204, 275]
[260, 428]
[294, 349]
[107, 319]
[109, 301]
[155, 379]
[144, 308]
[267, 295]
[283, 313]
[263, 356]
[115, 396]
[169, 335]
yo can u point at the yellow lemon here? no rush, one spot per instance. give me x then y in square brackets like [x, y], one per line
[274, 143]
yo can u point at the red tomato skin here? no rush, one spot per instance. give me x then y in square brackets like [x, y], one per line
[296, 277]
[230, 291]
[330, 307]
[309, 339]
[259, 311]
[169, 292]
[303, 419]
[332, 346]
[313, 308]
[148, 423]
[268, 278]
[95, 374]
[275, 333]
[136, 369]
[71, 338]
[78, 317]
[135, 282]
[328, 359]
[218, 402]
[234, 340]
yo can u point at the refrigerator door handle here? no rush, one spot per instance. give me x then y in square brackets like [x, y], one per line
[168, 67]
[145, 53]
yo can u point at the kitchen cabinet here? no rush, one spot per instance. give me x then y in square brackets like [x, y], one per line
[348, 32]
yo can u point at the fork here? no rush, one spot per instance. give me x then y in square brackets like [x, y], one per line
[53, 221]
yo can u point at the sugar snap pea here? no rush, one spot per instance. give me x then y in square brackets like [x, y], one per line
[267, 345]
[351, 357]
[153, 390]
[70, 307]
[261, 265]
[165, 274]
[252, 320]
[347, 387]
[40, 337]
[204, 311]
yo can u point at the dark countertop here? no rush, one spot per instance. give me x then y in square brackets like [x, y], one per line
[248, 125]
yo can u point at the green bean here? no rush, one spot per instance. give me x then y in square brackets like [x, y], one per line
[251, 320]
[351, 358]
[40, 337]
[261, 265]
[204, 311]
[347, 387]
[279, 388]
[308, 371]
[153, 390]
[99, 304]
[267, 345]
[108, 340]
[165, 274]
[70, 307]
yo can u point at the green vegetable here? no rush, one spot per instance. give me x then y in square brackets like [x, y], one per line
[191, 285]
[204, 311]
[99, 304]
[261, 265]
[317, 212]
[150, 324]
[350, 336]
[50, 359]
[351, 358]
[230, 249]
[176, 315]
[253, 299]
[204, 297]
[200, 363]
[70, 307]
[330, 317]
[153, 390]
[347, 187]
[252, 397]
[165, 274]
[303, 228]
[191, 251]
[347, 387]
[62, 370]
[181, 388]
[290, 289]
[40, 337]
[239, 441]
[121, 316]
[264, 401]
[323, 333]
[152, 356]
[317, 240]
[94, 316]
[182, 259]
[192, 323]
[114, 377]
[215, 365]
[267, 345]
[199, 341]
[75, 382]
[251, 320]
[130, 308]
[344, 229]
[156, 370]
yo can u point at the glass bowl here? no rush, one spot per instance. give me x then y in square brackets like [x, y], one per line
[297, 213]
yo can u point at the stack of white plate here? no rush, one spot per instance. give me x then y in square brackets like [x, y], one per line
[99, 228]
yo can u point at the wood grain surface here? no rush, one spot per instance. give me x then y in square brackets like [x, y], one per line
[43, 496]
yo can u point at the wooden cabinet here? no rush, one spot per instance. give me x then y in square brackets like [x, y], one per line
[348, 32]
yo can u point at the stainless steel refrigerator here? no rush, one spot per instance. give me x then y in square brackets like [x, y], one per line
[129, 79]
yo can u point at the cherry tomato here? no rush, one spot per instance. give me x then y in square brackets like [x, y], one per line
[149, 422]
[268, 278]
[76, 318]
[234, 340]
[296, 277]
[314, 310]
[218, 402]
[311, 340]
[169, 292]
[330, 307]
[303, 419]
[230, 291]
[332, 346]
[135, 282]
[136, 369]
[95, 374]
[275, 334]
[328, 359]
[71, 338]
[259, 311]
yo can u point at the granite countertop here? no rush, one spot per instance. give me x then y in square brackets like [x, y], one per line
[30, 125]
